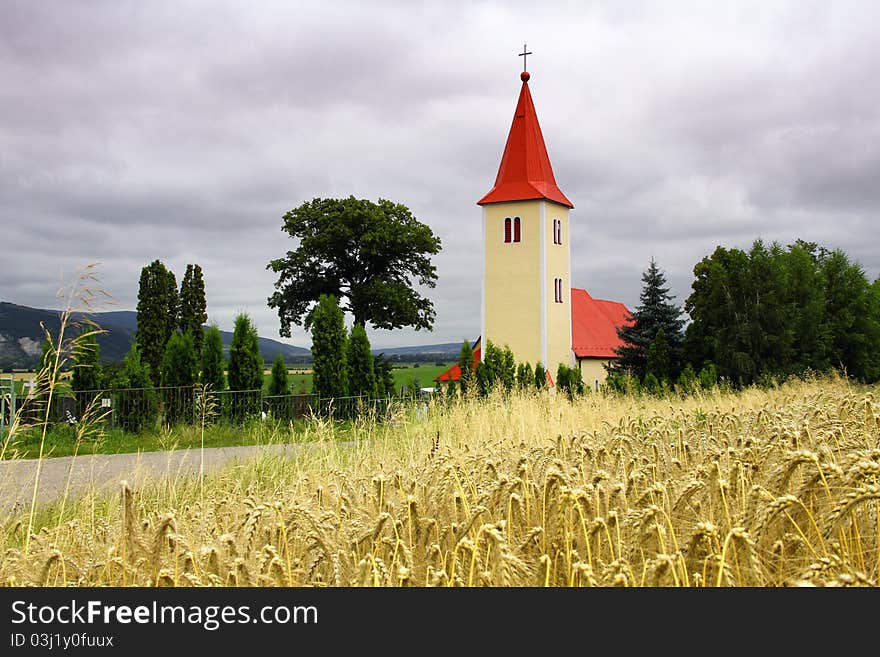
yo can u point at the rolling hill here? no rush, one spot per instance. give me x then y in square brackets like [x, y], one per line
[21, 337]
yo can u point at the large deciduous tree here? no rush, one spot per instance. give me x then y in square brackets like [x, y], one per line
[192, 311]
[368, 255]
[156, 314]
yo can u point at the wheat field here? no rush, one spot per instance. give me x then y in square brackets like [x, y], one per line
[763, 488]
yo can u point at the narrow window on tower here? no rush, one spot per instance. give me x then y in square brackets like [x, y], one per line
[557, 231]
[516, 229]
[507, 230]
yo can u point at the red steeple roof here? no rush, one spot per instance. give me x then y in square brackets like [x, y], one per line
[525, 172]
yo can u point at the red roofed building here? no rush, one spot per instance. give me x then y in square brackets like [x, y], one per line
[528, 302]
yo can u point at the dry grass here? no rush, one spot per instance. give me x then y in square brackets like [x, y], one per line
[757, 488]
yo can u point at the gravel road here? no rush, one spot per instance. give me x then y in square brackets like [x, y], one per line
[105, 471]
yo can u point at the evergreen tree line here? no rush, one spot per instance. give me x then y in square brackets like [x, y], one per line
[171, 349]
[498, 369]
[756, 316]
[342, 363]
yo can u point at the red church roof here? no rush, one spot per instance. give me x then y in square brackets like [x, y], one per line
[454, 372]
[594, 325]
[525, 172]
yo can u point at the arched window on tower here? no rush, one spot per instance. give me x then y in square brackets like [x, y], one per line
[516, 229]
[507, 230]
[557, 290]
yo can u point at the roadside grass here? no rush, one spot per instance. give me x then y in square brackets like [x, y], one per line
[61, 440]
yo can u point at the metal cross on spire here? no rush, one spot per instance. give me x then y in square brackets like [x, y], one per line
[523, 54]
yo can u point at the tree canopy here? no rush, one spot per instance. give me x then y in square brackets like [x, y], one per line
[365, 254]
[774, 311]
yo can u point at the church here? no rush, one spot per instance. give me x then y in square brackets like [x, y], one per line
[528, 302]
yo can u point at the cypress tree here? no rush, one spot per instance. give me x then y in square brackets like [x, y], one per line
[361, 377]
[466, 366]
[213, 360]
[192, 311]
[384, 376]
[179, 373]
[179, 364]
[245, 360]
[330, 370]
[576, 379]
[483, 378]
[540, 376]
[279, 385]
[156, 314]
[525, 378]
[86, 373]
[136, 404]
[507, 372]
[563, 380]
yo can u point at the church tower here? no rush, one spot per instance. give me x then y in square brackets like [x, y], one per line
[526, 252]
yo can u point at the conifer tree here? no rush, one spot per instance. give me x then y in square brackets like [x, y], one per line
[135, 403]
[361, 376]
[179, 364]
[385, 387]
[540, 376]
[658, 357]
[245, 360]
[279, 385]
[86, 373]
[655, 312]
[156, 314]
[465, 366]
[192, 312]
[213, 361]
[329, 358]
[179, 373]
[525, 378]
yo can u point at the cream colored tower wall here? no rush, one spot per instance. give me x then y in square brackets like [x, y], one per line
[558, 263]
[513, 288]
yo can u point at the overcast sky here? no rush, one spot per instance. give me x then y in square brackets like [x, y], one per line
[183, 131]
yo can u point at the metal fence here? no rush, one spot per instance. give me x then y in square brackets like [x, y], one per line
[133, 409]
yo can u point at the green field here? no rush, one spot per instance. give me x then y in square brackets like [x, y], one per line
[424, 373]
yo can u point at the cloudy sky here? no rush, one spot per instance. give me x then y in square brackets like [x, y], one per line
[183, 131]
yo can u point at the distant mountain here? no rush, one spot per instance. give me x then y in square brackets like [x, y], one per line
[21, 337]
[445, 349]
[126, 320]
